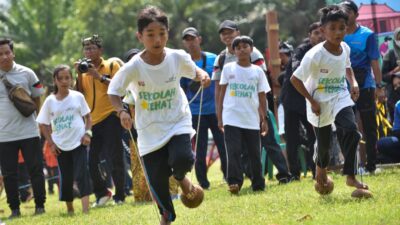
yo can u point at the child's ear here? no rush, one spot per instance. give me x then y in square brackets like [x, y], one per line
[322, 29]
[139, 36]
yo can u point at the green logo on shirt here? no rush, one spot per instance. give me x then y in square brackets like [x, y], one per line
[62, 122]
[241, 90]
[331, 85]
[153, 101]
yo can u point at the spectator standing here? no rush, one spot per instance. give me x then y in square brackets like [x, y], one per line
[364, 57]
[19, 132]
[208, 118]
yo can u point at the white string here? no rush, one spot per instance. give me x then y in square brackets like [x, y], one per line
[198, 122]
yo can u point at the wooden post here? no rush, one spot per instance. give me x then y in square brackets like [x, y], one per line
[274, 63]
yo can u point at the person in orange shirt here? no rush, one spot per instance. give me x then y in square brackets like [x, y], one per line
[51, 166]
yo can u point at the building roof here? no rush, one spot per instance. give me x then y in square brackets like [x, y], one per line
[381, 11]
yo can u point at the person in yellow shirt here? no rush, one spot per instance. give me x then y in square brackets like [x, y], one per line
[106, 150]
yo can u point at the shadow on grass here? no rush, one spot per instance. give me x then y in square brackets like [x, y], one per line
[341, 199]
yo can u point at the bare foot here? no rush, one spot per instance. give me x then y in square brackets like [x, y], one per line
[353, 182]
[164, 221]
[320, 176]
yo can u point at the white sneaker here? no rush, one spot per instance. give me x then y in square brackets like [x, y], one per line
[362, 171]
[103, 200]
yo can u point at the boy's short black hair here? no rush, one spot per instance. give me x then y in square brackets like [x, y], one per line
[242, 39]
[387, 38]
[332, 13]
[7, 41]
[151, 14]
[313, 26]
[348, 4]
[95, 40]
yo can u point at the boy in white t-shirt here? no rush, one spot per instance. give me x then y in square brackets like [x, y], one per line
[162, 114]
[241, 110]
[321, 79]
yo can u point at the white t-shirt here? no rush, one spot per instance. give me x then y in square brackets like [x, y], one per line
[324, 76]
[161, 107]
[65, 118]
[13, 125]
[240, 106]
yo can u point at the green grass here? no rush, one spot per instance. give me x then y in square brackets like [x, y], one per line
[295, 203]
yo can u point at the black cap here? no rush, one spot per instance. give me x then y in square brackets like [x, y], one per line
[190, 31]
[228, 24]
[348, 4]
[130, 53]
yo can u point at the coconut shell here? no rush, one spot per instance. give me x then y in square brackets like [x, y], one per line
[324, 190]
[196, 199]
[361, 193]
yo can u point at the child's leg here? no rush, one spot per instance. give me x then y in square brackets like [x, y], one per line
[322, 152]
[81, 175]
[85, 204]
[65, 165]
[70, 207]
[181, 160]
[233, 141]
[253, 143]
[158, 172]
[349, 137]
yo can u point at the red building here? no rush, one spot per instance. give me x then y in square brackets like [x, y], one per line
[386, 18]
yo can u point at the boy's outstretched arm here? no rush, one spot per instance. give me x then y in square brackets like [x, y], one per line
[298, 84]
[262, 110]
[354, 89]
[203, 77]
[219, 106]
[126, 120]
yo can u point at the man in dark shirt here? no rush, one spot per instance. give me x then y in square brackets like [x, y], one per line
[295, 107]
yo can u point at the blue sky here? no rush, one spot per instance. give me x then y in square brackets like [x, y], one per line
[395, 4]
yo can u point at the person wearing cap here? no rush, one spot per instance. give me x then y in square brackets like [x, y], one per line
[106, 147]
[295, 107]
[208, 119]
[364, 62]
[228, 30]
[391, 72]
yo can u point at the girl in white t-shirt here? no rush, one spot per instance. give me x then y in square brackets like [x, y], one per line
[241, 110]
[65, 122]
[321, 78]
[162, 115]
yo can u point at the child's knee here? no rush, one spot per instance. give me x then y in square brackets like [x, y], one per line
[182, 165]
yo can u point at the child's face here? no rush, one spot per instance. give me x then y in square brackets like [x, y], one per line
[154, 37]
[334, 31]
[243, 51]
[227, 36]
[63, 80]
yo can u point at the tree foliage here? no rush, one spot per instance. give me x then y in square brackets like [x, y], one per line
[49, 32]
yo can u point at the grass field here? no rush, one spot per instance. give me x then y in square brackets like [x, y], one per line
[295, 203]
